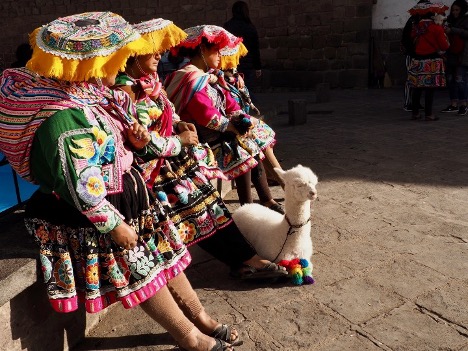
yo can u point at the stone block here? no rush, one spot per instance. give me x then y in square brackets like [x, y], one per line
[322, 92]
[297, 109]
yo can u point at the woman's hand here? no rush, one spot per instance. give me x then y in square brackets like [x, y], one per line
[138, 136]
[188, 138]
[124, 236]
[184, 126]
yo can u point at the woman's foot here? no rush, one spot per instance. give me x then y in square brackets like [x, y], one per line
[209, 326]
[431, 118]
[259, 268]
[197, 341]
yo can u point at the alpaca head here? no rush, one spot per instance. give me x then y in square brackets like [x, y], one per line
[439, 19]
[300, 183]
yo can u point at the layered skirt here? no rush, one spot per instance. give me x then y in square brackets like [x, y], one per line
[426, 73]
[189, 199]
[80, 264]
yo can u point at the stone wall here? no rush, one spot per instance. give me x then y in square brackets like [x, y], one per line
[387, 42]
[303, 42]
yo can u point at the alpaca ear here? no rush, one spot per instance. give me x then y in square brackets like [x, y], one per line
[280, 173]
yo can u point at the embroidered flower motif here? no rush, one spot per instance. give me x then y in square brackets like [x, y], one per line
[135, 254]
[154, 112]
[164, 246]
[92, 274]
[90, 186]
[118, 272]
[142, 267]
[46, 267]
[42, 234]
[187, 231]
[63, 274]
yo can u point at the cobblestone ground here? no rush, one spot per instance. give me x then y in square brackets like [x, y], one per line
[390, 234]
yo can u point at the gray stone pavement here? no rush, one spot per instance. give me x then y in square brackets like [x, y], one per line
[390, 234]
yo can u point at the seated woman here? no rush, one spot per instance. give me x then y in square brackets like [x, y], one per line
[202, 98]
[230, 58]
[173, 168]
[101, 236]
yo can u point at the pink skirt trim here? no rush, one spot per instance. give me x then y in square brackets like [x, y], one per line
[130, 300]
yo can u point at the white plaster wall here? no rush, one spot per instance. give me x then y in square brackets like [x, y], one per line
[391, 14]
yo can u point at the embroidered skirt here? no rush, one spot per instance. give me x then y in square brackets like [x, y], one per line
[426, 73]
[81, 264]
[189, 199]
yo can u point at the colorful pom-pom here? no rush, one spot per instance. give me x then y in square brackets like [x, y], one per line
[297, 271]
[297, 280]
[304, 263]
[300, 271]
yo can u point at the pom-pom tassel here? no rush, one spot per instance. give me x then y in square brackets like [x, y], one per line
[299, 270]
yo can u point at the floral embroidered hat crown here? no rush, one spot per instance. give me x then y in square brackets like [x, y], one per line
[213, 34]
[81, 46]
[161, 34]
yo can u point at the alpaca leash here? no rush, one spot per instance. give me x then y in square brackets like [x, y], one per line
[290, 232]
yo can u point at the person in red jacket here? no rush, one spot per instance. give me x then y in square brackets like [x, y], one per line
[427, 69]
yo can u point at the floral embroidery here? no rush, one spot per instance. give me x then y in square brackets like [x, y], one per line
[187, 231]
[92, 273]
[46, 267]
[90, 186]
[118, 272]
[163, 246]
[63, 273]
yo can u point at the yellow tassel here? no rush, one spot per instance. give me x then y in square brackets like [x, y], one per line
[232, 61]
[52, 66]
[165, 38]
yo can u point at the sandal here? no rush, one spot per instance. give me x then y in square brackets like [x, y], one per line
[221, 345]
[270, 270]
[223, 332]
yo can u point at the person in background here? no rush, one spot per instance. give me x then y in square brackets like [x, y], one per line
[456, 61]
[102, 238]
[241, 26]
[407, 48]
[427, 70]
[23, 54]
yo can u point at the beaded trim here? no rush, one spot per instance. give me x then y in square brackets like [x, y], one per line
[152, 25]
[86, 35]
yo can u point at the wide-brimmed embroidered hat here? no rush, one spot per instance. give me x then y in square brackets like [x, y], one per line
[213, 34]
[161, 34]
[81, 46]
[230, 57]
[425, 7]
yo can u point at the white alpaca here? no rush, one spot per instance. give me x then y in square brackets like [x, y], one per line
[275, 236]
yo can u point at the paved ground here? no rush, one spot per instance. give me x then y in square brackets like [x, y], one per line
[390, 233]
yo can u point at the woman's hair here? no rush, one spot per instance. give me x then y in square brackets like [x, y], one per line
[240, 10]
[192, 52]
[462, 5]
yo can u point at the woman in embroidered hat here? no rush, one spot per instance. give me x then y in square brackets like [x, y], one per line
[179, 175]
[201, 96]
[102, 237]
[230, 58]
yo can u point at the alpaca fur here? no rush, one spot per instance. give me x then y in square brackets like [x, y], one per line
[267, 230]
